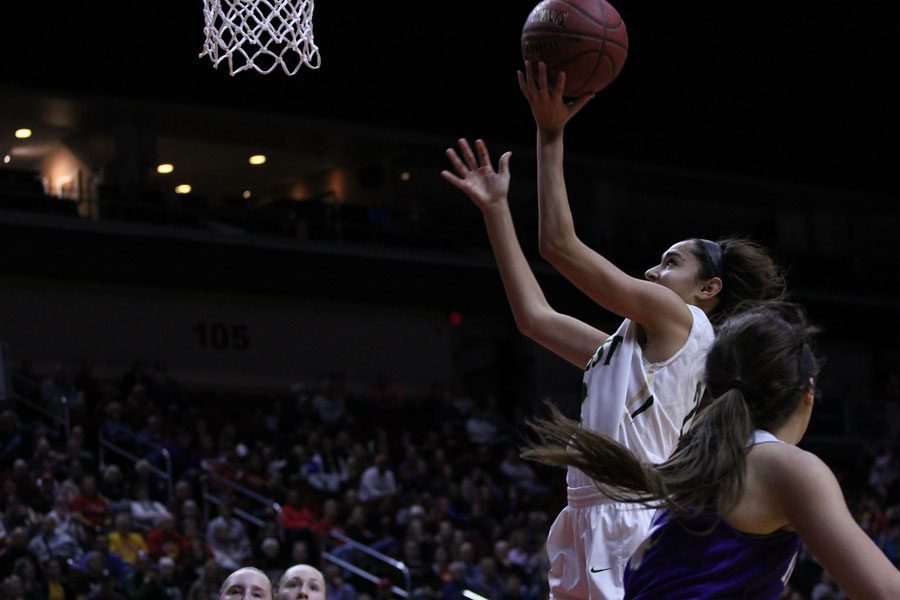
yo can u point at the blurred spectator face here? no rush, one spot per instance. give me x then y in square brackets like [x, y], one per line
[221, 533]
[299, 552]
[182, 490]
[189, 509]
[43, 447]
[467, 552]
[488, 567]
[357, 515]
[416, 529]
[332, 572]
[166, 523]
[123, 522]
[270, 548]
[47, 482]
[301, 582]
[501, 549]
[61, 505]
[513, 586]
[8, 419]
[13, 587]
[24, 569]
[17, 515]
[142, 562]
[20, 469]
[381, 463]
[18, 538]
[330, 509]
[75, 469]
[154, 424]
[411, 551]
[52, 570]
[48, 526]
[95, 563]
[101, 542]
[167, 568]
[445, 530]
[246, 584]
[189, 528]
[141, 493]
[142, 469]
[88, 486]
[113, 475]
[114, 411]
[211, 571]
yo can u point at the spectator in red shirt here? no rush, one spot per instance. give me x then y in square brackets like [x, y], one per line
[90, 508]
[299, 522]
[164, 540]
[295, 514]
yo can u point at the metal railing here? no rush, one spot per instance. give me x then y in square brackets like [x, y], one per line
[393, 563]
[165, 475]
[267, 503]
[60, 420]
[235, 488]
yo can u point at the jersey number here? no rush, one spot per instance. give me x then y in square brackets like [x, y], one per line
[613, 344]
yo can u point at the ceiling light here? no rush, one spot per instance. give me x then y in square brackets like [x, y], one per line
[165, 168]
[258, 159]
[23, 133]
[183, 189]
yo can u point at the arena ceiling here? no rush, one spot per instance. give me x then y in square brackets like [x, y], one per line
[794, 92]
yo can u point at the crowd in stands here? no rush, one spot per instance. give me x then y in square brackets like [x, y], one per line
[433, 481]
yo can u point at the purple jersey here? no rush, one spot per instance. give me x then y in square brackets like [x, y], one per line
[679, 562]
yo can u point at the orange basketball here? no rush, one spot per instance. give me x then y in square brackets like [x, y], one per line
[585, 38]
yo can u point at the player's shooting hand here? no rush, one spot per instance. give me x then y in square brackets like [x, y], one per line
[476, 177]
[551, 111]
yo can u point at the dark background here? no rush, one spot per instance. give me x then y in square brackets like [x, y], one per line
[785, 91]
[726, 101]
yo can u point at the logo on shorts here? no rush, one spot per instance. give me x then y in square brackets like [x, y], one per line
[593, 570]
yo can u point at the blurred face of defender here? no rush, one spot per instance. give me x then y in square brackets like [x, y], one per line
[301, 582]
[679, 270]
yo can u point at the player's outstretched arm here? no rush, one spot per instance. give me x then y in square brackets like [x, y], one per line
[569, 338]
[814, 505]
[658, 310]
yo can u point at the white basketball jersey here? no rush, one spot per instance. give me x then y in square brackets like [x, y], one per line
[644, 406]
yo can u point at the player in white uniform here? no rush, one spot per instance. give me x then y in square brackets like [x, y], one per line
[645, 406]
[657, 352]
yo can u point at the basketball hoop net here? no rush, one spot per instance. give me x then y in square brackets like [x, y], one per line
[260, 35]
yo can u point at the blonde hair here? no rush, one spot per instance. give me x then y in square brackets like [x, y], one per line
[283, 575]
[233, 574]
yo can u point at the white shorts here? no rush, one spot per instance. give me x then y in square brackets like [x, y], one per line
[590, 543]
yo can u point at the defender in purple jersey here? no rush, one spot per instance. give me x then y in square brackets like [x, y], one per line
[675, 562]
[737, 497]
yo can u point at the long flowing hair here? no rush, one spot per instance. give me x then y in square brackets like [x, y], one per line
[757, 370]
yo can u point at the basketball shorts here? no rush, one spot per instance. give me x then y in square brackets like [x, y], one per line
[589, 545]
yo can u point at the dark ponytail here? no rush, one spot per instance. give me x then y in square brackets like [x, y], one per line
[757, 370]
[749, 275]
